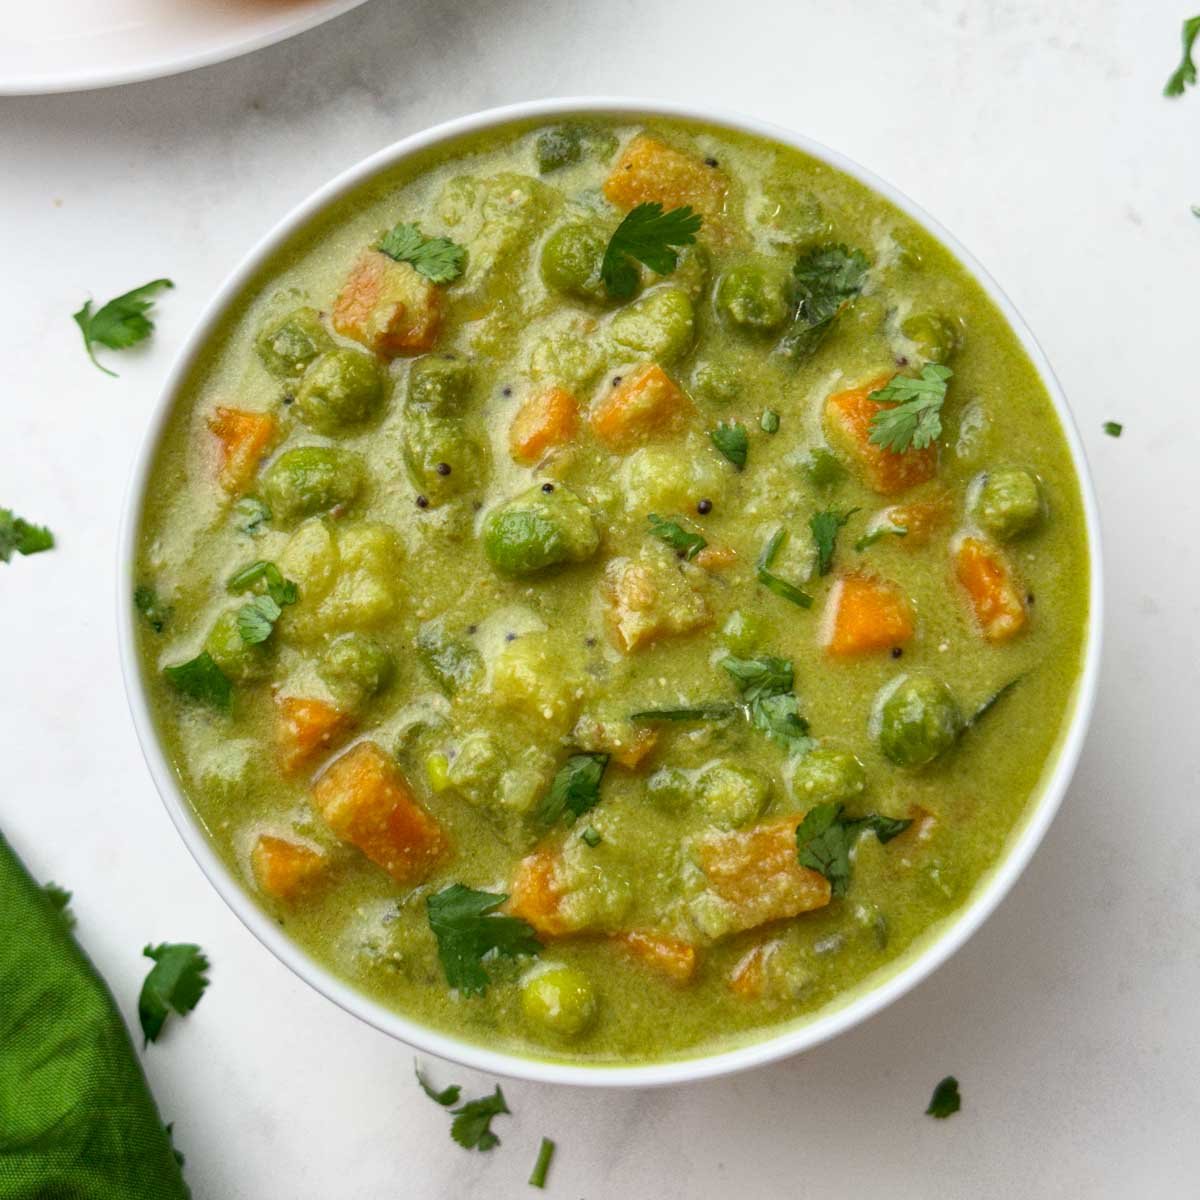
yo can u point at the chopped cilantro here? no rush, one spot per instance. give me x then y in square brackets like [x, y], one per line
[576, 788]
[19, 535]
[646, 235]
[763, 676]
[766, 685]
[467, 928]
[439, 259]
[472, 1125]
[769, 421]
[825, 526]
[915, 420]
[826, 279]
[60, 898]
[446, 1097]
[771, 581]
[945, 1101]
[688, 543]
[877, 534]
[1184, 75]
[155, 612]
[252, 514]
[1114, 428]
[731, 439]
[201, 679]
[825, 837]
[545, 1153]
[256, 619]
[176, 981]
[120, 323]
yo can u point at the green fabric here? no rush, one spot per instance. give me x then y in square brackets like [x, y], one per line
[77, 1121]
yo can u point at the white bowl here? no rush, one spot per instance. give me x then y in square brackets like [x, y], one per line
[924, 957]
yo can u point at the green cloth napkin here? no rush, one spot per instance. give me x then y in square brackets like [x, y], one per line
[77, 1121]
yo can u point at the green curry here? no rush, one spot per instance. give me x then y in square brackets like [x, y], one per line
[611, 588]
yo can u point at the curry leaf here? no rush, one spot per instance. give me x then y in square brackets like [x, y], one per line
[175, 982]
[467, 928]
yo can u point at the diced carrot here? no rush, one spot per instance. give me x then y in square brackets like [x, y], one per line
[848, 423]
[669, 956]
[754, 876]
[650, 170]
[368, 803]
[646, 402]
[282, 868]
[388, 306]
[645, 602]
[546, 419]
[627, 744]
[994, 594]
[716, 558]
[920, 518]
[748, 978]
[305, 727]
[244, 437]
[864, 613]
[536, 896]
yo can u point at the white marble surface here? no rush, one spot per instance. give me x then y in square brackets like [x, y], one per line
[1038, 134]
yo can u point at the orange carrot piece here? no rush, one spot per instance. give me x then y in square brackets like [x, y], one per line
[848, 423]
[305, 727]
[244, 438]
[650, 170]
[716, 558]
[388, 306]
[645, 403]
[283, 868]
[748, 978]
[920, 517]
[535, 896]
[546, 419]
[995, 596]
[865, 614]
[669, 956]
[367, 802]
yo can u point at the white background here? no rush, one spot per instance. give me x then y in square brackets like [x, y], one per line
[1037, 132]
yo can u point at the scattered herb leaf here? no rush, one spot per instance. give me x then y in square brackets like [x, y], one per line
[155, 612]
[1114, 428]
[766, 686]
[825, 837]
[120, 323]
[731, 439]
[825, 526]
[826, 279]
[769, 421]
[991, 702]
[576, 788]
[472, 1125]
[540, 1168]
[771, 581]
[256, 619]
[439, 259]
[763, 676]
[945, 1101]
[18, 534]
[446, 1097]
[60, 898]
[878, 534]
[176, 981]
[674, 534]
[201, 679]
[915, 421]
[467, 928]
[647, 235]
[1185, 74]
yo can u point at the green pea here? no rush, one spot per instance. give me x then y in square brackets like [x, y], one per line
[670, 789]
[660, 326]
[559, 1000]
[571, 261]
[754, 298]
[440, 383]
[822, 467]
[935, 337]
[828, 775]
[918, 719]
[290, 345]
[540, 529]
[732, 795]
[743, 632]
[716, 382]
[241, 661]
[341, 388]
[310, 480]
[355, 667]
[1007, 503]
[443, 460]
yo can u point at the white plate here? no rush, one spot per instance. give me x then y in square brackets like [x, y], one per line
[70, 45]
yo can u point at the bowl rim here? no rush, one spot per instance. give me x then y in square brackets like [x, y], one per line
[921, 961]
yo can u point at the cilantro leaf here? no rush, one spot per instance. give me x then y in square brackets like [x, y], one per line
[176, 981]
[120, 323]
[731, 439]
[699, 712]
[467, 927]
[915, 421]
[576, 788]
[60, 898]
[537, 1178]
[825, 837]
[825, 526]
[646, 235]
[146, 601]
[771, 581]
[446, 1097]
[439, 259]
[688, 543]
[18, 534]
[256, 619]
[1185, 74]
[201, 679]
[766, 685]
[826, 278]
[763, 676]
[472, 1125]
[1114, 428]
[945, 1101]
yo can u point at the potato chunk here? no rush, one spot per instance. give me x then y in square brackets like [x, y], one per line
[282, 868]
[304, 728]
[994, 593]
[646, 403]
[388, 306]
[367, 802]
[648, 599]
[649, 170]
[865, 614]
[244, 439]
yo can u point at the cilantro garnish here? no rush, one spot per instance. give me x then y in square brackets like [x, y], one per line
[60, 898]
[146, 601]
[688, 543]
[446, 1097]
[825, 526]
[201, 679]
[915, 421]
[256, 618]
[763, 676]
[439, 259]
[731, 439]
[467, 928]
[771, 581]
[945, 1101]
[545, 1153]
[874, 535]
[472, 1125]
[769, 421]
[19, 535]
[826, 279]
[120, 323]
[176, 981]
[576, 788]
[766, 686]
[825, 837]
[1185, 74]
[646, 235]
[1114, 428]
